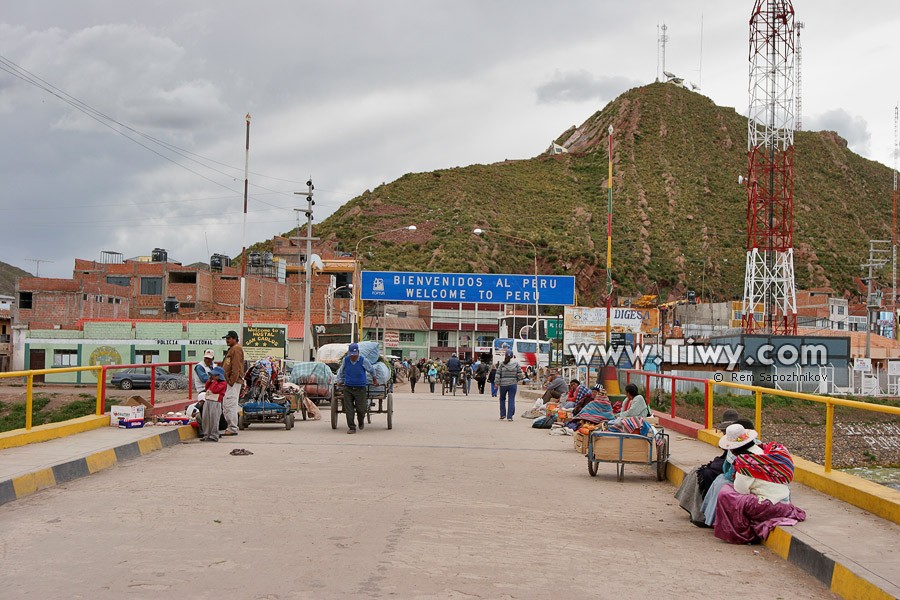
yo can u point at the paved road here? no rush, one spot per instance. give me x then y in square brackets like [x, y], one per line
[452, 503]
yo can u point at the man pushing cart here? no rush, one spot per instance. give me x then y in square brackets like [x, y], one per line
[352, 375]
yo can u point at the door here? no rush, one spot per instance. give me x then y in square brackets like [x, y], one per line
[175, 356]
[36, 362]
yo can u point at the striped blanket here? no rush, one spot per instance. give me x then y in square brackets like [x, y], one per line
[631, 425]
[596, 411]
[775, 464]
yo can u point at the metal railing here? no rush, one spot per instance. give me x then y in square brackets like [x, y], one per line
[151, 366]
[758, 391]
[673, 378]
[29, 386]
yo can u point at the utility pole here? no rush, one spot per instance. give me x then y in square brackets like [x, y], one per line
[37, 265]
[307, 329]
[244, 230]
[873, 300]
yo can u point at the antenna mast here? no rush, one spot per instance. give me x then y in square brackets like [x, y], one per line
[663, 38]
[798, 113]
[894, 226]
[37, 261]
[769, 277]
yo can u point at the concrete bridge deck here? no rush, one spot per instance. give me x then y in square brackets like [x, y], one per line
[451, 503]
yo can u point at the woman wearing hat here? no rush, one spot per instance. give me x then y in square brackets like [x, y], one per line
[758, 500]
[212, 405]
[741, 439]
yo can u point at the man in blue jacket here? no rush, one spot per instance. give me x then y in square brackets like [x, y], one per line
[352, 374]
[454, 366]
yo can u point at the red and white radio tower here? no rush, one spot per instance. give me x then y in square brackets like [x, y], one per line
[769, 279]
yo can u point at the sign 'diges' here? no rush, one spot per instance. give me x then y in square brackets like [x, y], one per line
[555, 290]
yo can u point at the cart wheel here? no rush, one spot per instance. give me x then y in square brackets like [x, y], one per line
[620, 472]
[592, 468]
[390, 410]
[288, 421]
[369, 413]
[662, 460]
[334, 411]
[242, 424]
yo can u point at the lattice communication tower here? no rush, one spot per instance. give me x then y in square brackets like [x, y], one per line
[769, 279]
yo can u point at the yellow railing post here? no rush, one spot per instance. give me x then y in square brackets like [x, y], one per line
[29, 400]
[829, 434]
[709, 403]
[758, 421]
[100, 376]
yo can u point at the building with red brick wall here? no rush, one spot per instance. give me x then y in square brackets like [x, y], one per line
[57, 302]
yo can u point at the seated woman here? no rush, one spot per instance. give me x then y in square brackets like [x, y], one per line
[758, 501]
[700, 501]
[634, 405]
[597, 409]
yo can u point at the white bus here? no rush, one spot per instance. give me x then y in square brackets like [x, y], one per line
[529, 353]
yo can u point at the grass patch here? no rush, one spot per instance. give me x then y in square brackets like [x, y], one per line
[15, 417]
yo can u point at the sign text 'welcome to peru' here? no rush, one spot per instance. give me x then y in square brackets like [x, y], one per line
[467, 287]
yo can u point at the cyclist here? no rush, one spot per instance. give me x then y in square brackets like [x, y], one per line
[454, 366]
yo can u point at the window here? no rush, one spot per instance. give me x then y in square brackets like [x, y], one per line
[192, 353]
[443, 339]
[25, 300]
[186, 304]
[151, 286]
[149, 311]
[146, 356]
[182, 277]
[840, 310]
[485, 340]
[407, 336]
[65, 358]
[122, 281]
[110, 300]
[370, 335]
[526, 347]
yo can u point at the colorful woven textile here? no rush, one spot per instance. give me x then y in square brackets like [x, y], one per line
[775, 464]
[631, 425]
[596, 411]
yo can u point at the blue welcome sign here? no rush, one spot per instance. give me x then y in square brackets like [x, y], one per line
[554, 290]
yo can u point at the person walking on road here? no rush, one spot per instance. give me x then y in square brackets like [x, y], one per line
[481, 373]
[233, 365]
[492, 377]
[352, 375]
[200, 372]
[413, 377]
[509, 374]
[432, 376]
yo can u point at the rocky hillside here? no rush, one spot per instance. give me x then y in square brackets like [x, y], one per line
[679, 214]
[8, 276]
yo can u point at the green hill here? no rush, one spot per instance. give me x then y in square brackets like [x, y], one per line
[8, 276]
[679, 214]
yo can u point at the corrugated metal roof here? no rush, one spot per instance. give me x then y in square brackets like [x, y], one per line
[404, 323]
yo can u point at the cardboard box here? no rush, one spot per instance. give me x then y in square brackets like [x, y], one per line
[138, 401]
[125, 413]
[581, 442]
[624, 448]
[131, 423]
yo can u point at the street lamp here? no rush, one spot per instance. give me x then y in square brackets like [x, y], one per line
[533, 247]
[329, 300]
[357, 313]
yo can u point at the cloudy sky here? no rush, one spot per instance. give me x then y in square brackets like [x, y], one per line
[353, 94]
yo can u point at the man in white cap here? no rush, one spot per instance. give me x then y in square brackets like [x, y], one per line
[201, 370]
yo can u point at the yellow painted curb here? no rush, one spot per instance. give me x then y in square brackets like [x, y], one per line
[186, 432]
[847, 584]
[779, 542]
[101, 460]
[150, 444]
[29, 484]
[51, 431]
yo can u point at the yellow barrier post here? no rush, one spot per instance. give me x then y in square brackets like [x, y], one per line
[758, 421]
[709, 403]
[829, 434]
[29, 400]
[100, 378]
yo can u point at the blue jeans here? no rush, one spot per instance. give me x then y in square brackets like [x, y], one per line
[508, 409]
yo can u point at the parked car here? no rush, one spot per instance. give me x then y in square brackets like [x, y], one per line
[127, 379]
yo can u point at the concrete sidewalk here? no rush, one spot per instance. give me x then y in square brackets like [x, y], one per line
[27, 469]
[852, 551]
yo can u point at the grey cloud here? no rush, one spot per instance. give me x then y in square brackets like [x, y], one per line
[579, 86]
[852, 128]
